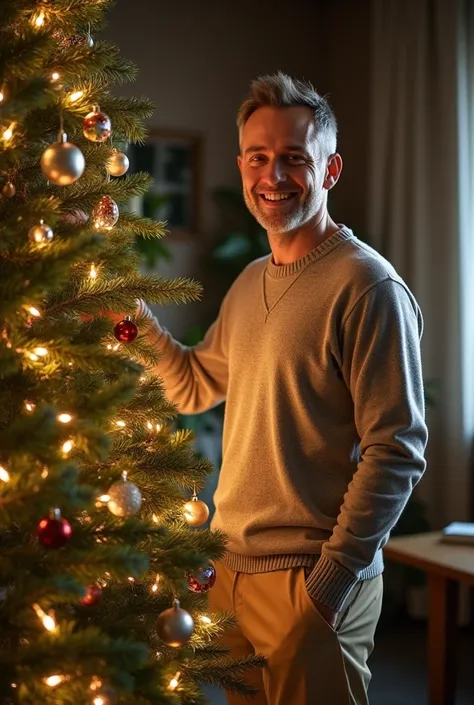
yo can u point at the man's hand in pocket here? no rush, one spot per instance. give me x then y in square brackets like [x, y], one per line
[329, 615]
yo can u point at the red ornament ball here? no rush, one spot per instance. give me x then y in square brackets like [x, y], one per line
[96, 126]
[126, 331]
[92, 597]
[203, 581]
[54, 532]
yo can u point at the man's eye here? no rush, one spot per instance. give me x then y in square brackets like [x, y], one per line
[256, 158]
[295, 158]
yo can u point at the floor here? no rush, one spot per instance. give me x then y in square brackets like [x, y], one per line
[398, 666]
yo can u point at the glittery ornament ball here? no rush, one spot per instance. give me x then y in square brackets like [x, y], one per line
[105, 213]
[203, 580]
[175, 626]
[92, 597]
[126, 331]
[125, 499]
[96, 126]
[54, 533]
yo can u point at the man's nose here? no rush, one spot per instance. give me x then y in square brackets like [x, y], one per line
[275, 172]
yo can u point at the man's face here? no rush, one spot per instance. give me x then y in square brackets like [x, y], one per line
[282, 171]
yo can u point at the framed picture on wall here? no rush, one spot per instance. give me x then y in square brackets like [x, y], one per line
[173, 158]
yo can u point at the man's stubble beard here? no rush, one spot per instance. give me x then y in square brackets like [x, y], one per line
[284, 223]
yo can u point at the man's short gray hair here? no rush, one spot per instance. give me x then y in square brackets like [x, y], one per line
[282, 91]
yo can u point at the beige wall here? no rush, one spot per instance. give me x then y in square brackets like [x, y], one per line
[196, 60]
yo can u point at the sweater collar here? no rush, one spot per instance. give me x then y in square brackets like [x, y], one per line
[284, 270]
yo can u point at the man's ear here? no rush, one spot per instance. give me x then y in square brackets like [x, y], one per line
[333, 170]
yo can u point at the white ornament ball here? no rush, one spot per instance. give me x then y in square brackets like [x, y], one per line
[118, 163]
[175, 626]
[196, 512]
[62, 162]
[41, 233]
[125, 498]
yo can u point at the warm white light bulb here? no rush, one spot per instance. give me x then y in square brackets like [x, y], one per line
[54, 680]
[39, 19]
[29, 406]
[99, 700]
[75, 96]
[8, 133]
[1, 97]
[121, 424]
[55, 76]
[174, 682]
[33, 357]
[64, 418]
[104, 498]
[4, 474]
[67, 447]
[48, 621]
[93, 272]
[34, 311]
[41, 351]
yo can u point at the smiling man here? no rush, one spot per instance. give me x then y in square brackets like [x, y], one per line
[316, 351]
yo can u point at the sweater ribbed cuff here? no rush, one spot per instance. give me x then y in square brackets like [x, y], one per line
[330, 583]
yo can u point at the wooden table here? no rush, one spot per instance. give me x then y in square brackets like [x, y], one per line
[446, 565]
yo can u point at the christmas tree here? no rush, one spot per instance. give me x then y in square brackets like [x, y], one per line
[98, 506]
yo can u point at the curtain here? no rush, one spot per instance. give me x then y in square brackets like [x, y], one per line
[421, 208]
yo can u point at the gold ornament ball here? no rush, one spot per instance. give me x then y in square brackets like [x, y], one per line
[118, 163]
[105, 213]
[62, 162]
[175, 626]
[125, 499]
[40, 234]
[196, 512]
[9, 190]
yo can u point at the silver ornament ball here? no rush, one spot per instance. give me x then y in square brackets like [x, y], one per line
[9, 190]
[62, 162]
[175, 626]
[125, 498]
[118, 163]
[196, 512]
[105, 213]
[40, 234]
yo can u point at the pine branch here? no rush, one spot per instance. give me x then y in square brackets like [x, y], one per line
[103, 63]
[24, 56]
[227, 673]
[120, 294]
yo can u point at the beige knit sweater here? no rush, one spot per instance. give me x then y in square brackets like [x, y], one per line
[324, 432]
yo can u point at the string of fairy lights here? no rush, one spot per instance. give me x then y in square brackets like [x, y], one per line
[63, 163]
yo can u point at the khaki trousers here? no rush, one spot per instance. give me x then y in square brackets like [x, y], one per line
[308, 662]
